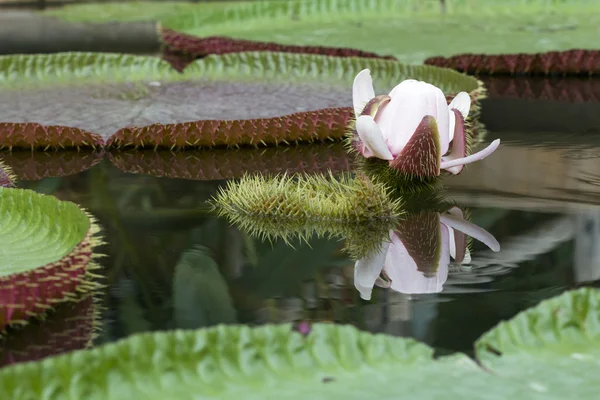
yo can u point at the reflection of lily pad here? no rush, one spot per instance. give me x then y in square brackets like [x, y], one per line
[7, 179]
[571, 90]
[70, 326]
[328, 361]
[216, 164]
[46, 253]
[34, 166]
[102, 93]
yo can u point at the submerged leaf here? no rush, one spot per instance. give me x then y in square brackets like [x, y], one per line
[200, 294]
[106, 93]
[45, 253]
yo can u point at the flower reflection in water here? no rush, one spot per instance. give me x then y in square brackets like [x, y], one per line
[416, 257]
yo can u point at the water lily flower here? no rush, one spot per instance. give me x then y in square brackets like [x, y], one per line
[417, 255]
[413, 127]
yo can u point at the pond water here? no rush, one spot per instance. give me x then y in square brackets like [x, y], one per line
[539, 195]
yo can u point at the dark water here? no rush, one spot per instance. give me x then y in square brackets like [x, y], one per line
[539, 195]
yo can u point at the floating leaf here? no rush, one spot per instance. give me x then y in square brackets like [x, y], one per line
[181, 49]
[552, 348]
[200, 294]
[34, 166]
[216, 164]
[46, 253]
[308, 126]
[105, 93]
[71, 326]
[7, 179]
[569, 62]
[408, 29]
[549, 352]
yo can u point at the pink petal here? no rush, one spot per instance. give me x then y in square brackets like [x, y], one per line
[448, 164]
[459, 141]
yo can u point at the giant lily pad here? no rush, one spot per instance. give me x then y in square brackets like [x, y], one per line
[569, 62]
[78, 99]
[411, 30]
[46, 253]
[551, 356]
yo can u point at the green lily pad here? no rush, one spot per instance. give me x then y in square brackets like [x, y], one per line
[553, 355]
[46, 253]
[553, 348]
[95, 95]
[411, 30]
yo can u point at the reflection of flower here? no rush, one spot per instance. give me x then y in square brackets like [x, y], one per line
[413, 127]
[416, 258]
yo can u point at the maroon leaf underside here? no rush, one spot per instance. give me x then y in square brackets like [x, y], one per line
[28, 165]
[180, 49]
[422, 154]
[421, 235]
[34, 293]
[309, 126]
[575, 62]
[35, 136]
[69, 327]
[219, 164]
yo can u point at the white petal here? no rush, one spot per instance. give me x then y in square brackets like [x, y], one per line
[462, 102]
[470, 229]
[410, 101]
[368, 269]
[480, 155]
[362, 91]
[371, 136]
[451, 126]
